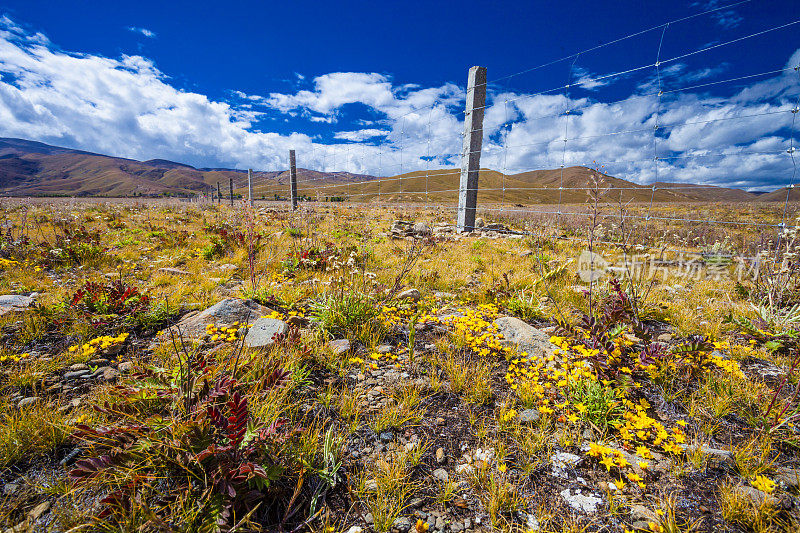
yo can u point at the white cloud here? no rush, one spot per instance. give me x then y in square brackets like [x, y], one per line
[127, 107]
[144, 31]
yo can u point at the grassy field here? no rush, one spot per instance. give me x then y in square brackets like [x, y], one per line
[421, 379]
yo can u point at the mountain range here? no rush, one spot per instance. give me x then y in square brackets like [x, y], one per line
[30, 168]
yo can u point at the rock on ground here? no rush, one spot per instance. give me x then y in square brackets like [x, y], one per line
[16, 302]
[581, 502]
[524, 337]
[223, 313]
[339, 346]
[261, 334]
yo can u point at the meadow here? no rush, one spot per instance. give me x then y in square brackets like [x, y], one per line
[173, 366]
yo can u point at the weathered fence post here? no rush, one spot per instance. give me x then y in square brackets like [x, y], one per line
[231, 186]
[250, 186]
[293, 178]
[471, 149]
[219, 195]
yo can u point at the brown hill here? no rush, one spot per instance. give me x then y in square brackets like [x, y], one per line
[29, 168]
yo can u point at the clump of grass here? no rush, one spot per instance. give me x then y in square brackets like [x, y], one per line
[345, 313]
[30, 432]
[386, 486]
[602, 406]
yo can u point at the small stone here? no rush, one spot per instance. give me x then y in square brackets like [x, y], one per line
[422, 228]
[10, 488]
[665, 337]
[78, 367]
[371, 485]
[415, 503]
[439, 523]
[401, 524]
[368, 518]
[529, 416]
[755, 496]
[39, 510]
[441, 474]
[110, 374]
[467, 523]
[384, 349]
[77, 374]
[125, 366]
[440, 421]
[355, 529]
[174, 271]
[339, 346]
[27, 401]
[387, 436]
[440, 457]
[465, 469]
[409, 294]
[457, 526]
[261, 334]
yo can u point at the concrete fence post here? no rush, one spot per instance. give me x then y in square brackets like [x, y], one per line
[250, 186]
[471, 149]
[293, 178]
[231, 189]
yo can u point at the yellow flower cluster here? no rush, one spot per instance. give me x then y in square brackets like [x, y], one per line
[98, 344]
[639, 428]
[284, 316]
[5, 263]
[613, 458]
[16, 358]
[224, 334]
[476, 329]
[763, 483]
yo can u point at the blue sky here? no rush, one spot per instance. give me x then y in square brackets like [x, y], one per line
[378, 87]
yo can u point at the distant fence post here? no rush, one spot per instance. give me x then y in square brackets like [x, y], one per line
[471, 149]
[219, 195]
[293, 178]
[231, 187]
[250, 186]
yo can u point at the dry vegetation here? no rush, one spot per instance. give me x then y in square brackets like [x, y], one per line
[402, 396]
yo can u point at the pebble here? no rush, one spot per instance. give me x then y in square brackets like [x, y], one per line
[125, 367]
[441, 474]
[76, 374]
[440, 457]
[529, 416]
[27, 401]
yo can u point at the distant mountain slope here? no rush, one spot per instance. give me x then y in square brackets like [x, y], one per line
[30, 168]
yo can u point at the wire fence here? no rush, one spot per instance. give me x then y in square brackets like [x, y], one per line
[665, 158]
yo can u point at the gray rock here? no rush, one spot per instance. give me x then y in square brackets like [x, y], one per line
[125, 366]
[78, 366]
[261, 333]
[371, 485]
[77, 374]
[368, 518]
[110, 374]
[441, 475]
[524, 337]
[421, 228]
[788, 477]
[584, 503]
[355, 529]
[174, 271]
[457, 526]
[755, 496]
[387, 436]
[27, 401]
[223, 313]
[16, 302]
[529, 416]
[409, 294]
[339, 346]
[479, 222]
[384, 349]
[401, 523]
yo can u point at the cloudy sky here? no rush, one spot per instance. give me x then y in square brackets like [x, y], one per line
[379, 87]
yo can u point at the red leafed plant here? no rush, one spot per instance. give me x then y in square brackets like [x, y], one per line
[202, 438]
[102, 301]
